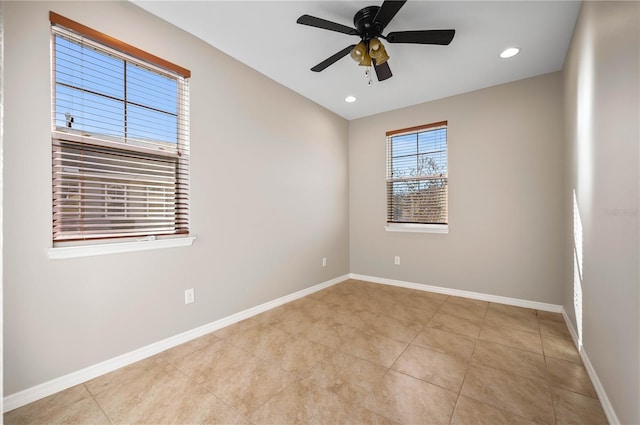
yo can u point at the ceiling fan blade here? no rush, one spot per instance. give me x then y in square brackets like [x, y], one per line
[333, 59]
[312, 21]
[441, 37]
[386, 12]
[383, 71]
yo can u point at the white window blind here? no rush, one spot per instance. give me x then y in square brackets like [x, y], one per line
[120, 151]
[417, 187]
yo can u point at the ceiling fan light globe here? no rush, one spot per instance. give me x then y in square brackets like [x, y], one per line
[374, 45]
[377, 51]
[366, 60]
[358, 52]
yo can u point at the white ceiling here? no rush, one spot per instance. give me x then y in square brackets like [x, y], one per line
[264, 35]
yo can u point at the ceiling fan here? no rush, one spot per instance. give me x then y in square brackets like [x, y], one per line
[369, 23]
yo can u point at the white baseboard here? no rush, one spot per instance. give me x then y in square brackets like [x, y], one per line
[53, 386]
[554, 308]
[602, 394]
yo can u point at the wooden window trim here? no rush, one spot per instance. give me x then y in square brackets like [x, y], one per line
[417, 128]
[117, 44]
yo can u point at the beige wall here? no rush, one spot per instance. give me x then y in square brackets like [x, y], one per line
[269, 199]
[505, 194]
[602, 148]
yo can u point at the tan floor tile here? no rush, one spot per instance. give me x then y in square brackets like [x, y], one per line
[471, 312]
[409, 315]
[237, 377]
[285, 407]
[325, 407]
[250, 388]
[211, 360]
[455, 324]
[356, 297]
[573, 408]
[501, 318]
[147, 369]
[362, 416]
[445, 342]
[554, 330]
[345, 315]
[300, 355]
[353, 353]
[549, 316]
[427, 301]
[72, 406]
[169, 399]
[522, 396]
[272, 315]
[236, 327]
[343, 287]
[347, 376]
[267, 342]
[356, 287]
[375, 303]
[512, 337]
[293, 322]
[337, 298]
[436, 368]
[466, 307]
[397, 293]
[513, 311]
[375, 348]
[363, 285]
[468, 302]
[324, 332]
[310, 308]
[512, 360]
[408, 400]
[371, 303]
[302, 402]
[433, 296]
[354, 341]
[561, 349]
[472, 412]
[383, 325]
[172, 354]
[569, 376]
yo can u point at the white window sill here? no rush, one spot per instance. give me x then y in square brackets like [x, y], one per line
[417, 228]
[57, 253]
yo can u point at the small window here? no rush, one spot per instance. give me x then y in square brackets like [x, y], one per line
[120, 151]
[417, 175]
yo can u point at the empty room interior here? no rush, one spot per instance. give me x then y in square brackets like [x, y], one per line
[297, 270]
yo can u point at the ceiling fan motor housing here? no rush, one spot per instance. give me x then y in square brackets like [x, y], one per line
[363, 21]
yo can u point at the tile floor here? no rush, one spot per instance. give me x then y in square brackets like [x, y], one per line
[355, 353]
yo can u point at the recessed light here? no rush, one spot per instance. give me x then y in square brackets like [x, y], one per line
[350, 99]
[510, 52]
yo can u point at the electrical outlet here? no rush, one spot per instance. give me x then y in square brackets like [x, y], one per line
[189, 296]
[324, 261]
[396, 260]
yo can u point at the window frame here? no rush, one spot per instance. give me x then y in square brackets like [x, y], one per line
[416, 227]
[181, 236]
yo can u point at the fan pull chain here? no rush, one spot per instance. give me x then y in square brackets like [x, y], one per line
[367, 75]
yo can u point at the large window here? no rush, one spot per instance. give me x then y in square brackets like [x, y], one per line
[119, 139]
[417, 176]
